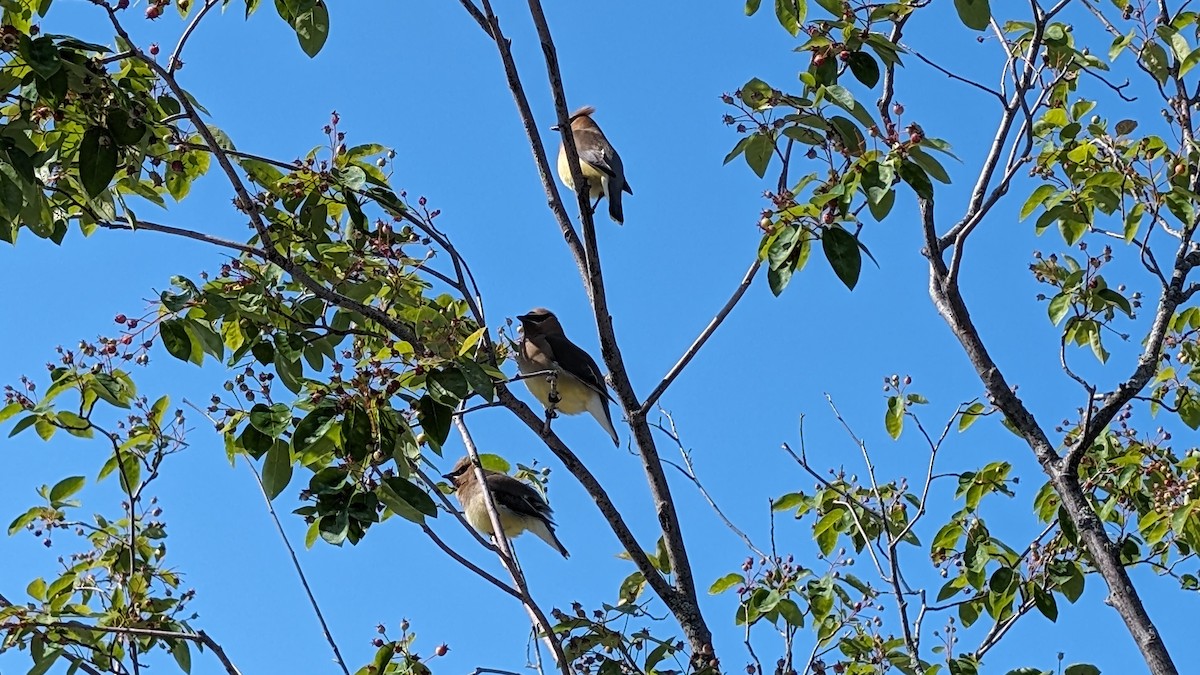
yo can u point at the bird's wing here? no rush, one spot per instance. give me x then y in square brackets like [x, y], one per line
[518, 497]
[579, 363]
[595, 149]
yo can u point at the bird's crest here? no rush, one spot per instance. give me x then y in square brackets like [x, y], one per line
[585, 111]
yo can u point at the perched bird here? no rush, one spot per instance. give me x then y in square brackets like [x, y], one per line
[598, 161]
[580, 384]
[520, 507]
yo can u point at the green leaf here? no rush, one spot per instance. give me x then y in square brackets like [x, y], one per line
[471, 341]
[725, 583]
[790, 612]
[124, 129]
[22, 425]
[932, 167]
[631, 587]
[406, 499]
[1046, 603]
[1058, 308]
[969, 416]
[271, 420]
[44, 428]
[1116, 299]
[73, 424]
[842, 252]
[758, 153]
[917, 179]
[752, 6]
[975, 14]
[42, 56]
[1133, 221]
[255, 442]
[1097, 345]
[97, 160]
[448, 385]
[849, 134]
[756, 94]
[9, 411]
[738, 149]
[894, 419]
[1154, 57]
[313, 427]
[277, 469]
[477, 378]
[788, 502]
[334, 527]
[865, 68]
[1072, 586]
[1036, 199]
[24, 519]
[182, 655]
[175, 338]
[790, 14]
[66, 487]
[1081, 669]
[839, 95]
[312, 29]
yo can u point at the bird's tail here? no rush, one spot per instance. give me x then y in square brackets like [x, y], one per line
[614, 206]
[545, 532]
[598, 407]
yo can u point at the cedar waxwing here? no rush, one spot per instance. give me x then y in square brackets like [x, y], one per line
[598, 161]
[580, 384]
[519, 506]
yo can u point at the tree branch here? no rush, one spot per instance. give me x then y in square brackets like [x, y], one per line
[1105, 555]
[681, 599]
[699, 342]
[508, 557]
[200, 638]
[687, 607]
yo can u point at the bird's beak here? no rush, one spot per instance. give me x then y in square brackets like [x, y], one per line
[448, 477]
[524, 317]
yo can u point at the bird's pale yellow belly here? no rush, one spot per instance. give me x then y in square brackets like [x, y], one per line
[477, 516]
[595, 177]
[573, 395]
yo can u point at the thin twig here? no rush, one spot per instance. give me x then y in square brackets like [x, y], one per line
[691, 352]
[312, 600]
[689, 471]
[138, 224]
[175, 63]
[468, 564]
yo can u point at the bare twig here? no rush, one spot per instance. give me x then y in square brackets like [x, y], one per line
[312, 600]
[691, 352]
[689, 471]
[175, 63]
[185, 233]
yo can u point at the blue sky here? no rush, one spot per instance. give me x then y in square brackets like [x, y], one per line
[421, 78]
